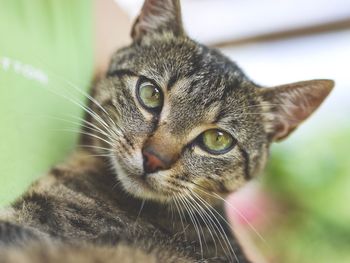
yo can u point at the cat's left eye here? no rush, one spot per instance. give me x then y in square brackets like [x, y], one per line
[149, 95]
[216, 141]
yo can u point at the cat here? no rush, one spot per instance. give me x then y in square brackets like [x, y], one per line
[170, 131]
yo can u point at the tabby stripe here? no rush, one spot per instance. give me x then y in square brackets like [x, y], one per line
[172, 81]
[121, 73]
[246, 162]
[12, 234]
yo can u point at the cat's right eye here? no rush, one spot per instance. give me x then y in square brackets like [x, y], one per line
[149, 95]
[216, 141]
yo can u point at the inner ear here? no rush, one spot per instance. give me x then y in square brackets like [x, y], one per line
[291, 104]
[158, 17]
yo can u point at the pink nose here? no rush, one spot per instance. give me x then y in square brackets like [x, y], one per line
[152, 161]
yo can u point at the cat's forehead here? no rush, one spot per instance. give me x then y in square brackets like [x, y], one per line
[186, 59]
[198, 83]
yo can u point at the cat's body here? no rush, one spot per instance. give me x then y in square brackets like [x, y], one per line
[171, 130]
[77, 205]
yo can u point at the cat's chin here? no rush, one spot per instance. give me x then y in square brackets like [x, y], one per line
[140, 186]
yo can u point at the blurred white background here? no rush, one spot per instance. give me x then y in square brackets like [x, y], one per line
[278, 41]
[213, 21]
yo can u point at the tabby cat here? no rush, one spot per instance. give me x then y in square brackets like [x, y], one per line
[170, 131]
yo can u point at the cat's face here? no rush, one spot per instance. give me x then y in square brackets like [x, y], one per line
[179, 118]
[189, 107]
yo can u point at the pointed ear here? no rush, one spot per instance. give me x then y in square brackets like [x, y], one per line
[293, 103]
[157, 17]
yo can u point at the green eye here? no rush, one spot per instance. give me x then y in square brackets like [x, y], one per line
[150, 96]
[217, 141]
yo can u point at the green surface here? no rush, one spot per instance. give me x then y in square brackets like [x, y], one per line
[45, 45]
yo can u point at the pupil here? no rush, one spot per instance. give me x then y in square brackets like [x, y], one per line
[155, 94]
[219, 137]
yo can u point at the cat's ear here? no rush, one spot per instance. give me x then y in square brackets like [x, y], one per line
[292, 103]
[157, 17]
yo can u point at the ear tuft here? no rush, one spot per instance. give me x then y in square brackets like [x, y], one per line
[293, 103]
[157, 17]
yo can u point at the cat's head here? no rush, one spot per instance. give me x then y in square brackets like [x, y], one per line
[180, 118]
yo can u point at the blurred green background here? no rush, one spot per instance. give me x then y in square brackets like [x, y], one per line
[46, 54]
[310, 174]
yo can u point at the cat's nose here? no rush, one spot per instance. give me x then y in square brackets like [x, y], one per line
[153, 161]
